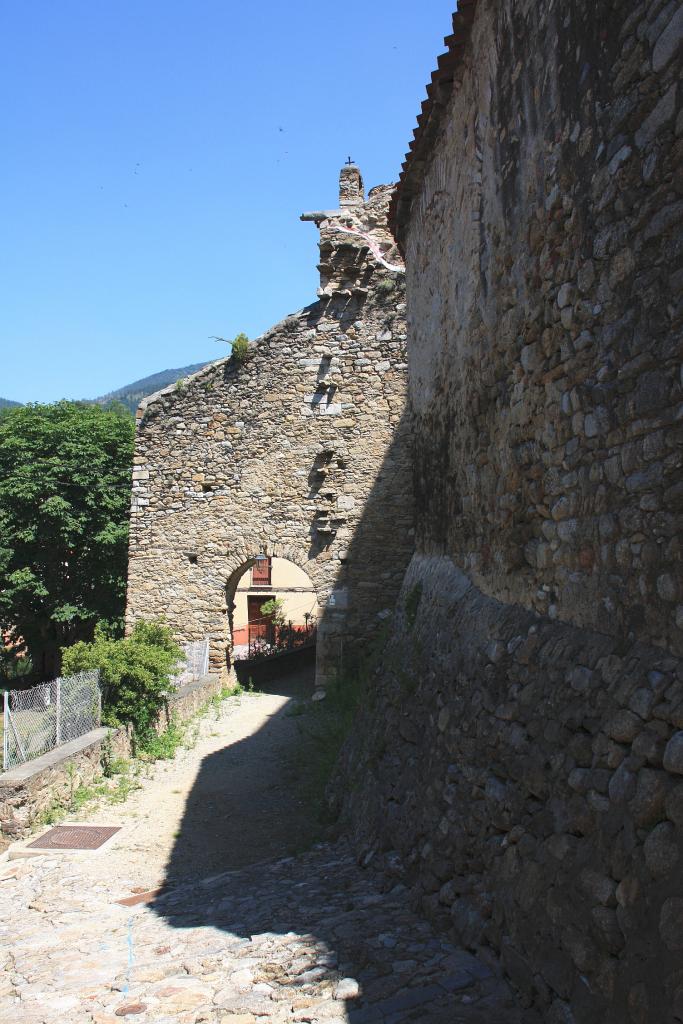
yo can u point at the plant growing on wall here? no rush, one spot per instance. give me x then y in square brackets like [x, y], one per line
[135, 673]
[385, 285]
[413, 603]
[239, 345]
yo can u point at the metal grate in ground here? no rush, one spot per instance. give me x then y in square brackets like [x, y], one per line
[74, 837]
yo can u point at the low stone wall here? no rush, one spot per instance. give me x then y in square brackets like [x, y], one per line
[189, 699]
[526, 778]
[29, 790]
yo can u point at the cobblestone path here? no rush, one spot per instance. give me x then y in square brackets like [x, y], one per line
[304, 939]
[311, 938]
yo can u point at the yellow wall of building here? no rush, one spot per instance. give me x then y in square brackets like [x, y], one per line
[289, 583]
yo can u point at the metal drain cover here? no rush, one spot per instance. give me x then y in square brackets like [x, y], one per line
[74, 837]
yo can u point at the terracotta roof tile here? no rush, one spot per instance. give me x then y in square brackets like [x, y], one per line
[429, 119]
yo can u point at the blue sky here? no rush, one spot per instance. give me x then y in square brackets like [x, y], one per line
[156, 157]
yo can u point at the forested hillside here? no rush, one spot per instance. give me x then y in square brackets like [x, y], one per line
[131, 395]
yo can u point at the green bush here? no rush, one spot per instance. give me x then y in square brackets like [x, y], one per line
[134, 673]
[275, 609]
[163, 746]
[240, 347]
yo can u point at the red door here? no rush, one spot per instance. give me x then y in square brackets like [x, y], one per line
[260, 625]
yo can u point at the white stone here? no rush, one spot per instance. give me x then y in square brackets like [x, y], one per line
[620, 157]
[348, 988]
[564, 295]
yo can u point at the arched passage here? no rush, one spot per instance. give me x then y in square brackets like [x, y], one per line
[299, 450]
[272, 605]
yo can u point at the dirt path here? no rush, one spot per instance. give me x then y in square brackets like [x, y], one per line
[241, 933]
[230, 800]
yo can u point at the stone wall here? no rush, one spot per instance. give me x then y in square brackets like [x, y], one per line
[525, 778]
[519, 756]
[289, 453]
[31, 789]
[544, 278]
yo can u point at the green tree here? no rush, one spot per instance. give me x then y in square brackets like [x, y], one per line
[64, 501]
[135, 672]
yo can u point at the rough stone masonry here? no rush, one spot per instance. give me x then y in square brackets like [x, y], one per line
[291, 452]
[521, 759]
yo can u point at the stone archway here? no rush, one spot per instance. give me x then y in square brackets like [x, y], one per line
[298, 448]
[281, 565]
[238, 563]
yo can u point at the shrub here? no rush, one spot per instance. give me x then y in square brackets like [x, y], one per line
[275, 609]
[163, 746]
[135, 673]
[385, 285]
[240, 347]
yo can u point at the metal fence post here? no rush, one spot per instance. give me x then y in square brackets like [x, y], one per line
[5, 733]
[58, 711]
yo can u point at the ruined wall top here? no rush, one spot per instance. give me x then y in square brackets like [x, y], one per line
[356, 248]
[351, 189]
[355, 237]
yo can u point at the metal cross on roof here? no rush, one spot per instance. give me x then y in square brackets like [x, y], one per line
[349, 161]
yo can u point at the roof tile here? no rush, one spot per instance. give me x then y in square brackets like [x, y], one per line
[429, 118]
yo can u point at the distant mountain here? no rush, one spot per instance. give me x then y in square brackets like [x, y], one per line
[132, 394]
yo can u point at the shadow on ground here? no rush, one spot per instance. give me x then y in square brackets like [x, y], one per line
[313, 925]
[248, 803]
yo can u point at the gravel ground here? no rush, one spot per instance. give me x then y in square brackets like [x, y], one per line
[228, 801]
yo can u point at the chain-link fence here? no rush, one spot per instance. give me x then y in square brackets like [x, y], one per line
[43, 717]
[196, 663]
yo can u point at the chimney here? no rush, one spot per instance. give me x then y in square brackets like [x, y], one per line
[351, 191]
